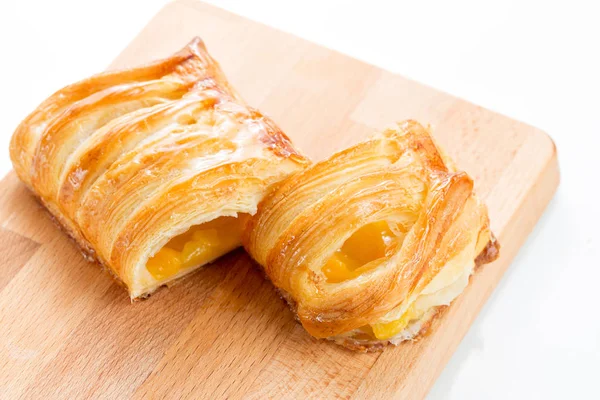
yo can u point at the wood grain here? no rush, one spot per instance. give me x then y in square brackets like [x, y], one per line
[67, 331]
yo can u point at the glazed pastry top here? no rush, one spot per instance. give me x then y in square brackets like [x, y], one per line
[128, 159]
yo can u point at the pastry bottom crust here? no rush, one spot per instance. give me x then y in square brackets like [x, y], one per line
[489, 253]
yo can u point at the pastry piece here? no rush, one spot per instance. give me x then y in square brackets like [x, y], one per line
[149, 169]
[367, 245]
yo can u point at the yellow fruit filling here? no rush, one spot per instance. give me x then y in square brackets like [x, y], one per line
[201, 244]
[368, 243]
[388, 330]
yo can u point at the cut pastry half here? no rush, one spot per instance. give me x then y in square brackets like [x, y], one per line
[367, 245]
[150, 169]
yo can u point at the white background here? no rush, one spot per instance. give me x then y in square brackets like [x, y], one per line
[536, 61]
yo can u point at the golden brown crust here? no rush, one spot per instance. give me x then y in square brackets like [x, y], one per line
[488, 255]
[399, 175]
[127, 159]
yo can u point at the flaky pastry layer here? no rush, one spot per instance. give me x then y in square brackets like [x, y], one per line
[398, 185]
[127, 160]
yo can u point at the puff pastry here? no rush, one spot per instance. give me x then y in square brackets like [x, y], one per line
[367, 245]
[149, 168]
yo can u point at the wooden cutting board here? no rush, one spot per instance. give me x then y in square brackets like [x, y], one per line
[67, 331]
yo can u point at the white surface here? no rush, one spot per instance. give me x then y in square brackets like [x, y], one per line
[537, 61]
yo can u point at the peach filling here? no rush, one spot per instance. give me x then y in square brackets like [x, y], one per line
[368, 243]
[201, 244]
[388, 330]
